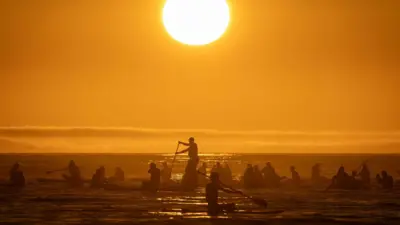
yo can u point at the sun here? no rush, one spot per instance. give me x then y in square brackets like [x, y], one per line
[196, 22]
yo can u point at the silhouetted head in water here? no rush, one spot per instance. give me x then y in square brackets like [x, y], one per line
[71, 163]
[214, 177]
[269, 164]
[153, 166]
[191, 140]
[15, 166]
[341, 170]
[218, 164]
[292, 168]
[384, 173]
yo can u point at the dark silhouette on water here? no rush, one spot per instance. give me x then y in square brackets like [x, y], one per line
[217, 168]
[258, 180]
[99, 178]
[365, 175]
[343, 181]
[17, 178]
[166, 173]
[189, 181]
[296, 180]
[119, 175]
[271, 178]
[214, 208]
[74, 178]
[316, 173]
[385, 180]
[227, 174]
[248, 177]
[202, 180]
[155, 179]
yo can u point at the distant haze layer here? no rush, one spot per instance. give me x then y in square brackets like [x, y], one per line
[140, 140]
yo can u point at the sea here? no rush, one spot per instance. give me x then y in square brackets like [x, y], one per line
[55, 203]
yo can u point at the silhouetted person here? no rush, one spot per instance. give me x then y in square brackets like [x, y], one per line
[316, 173]
[341, 180]
[155, 178]
[212, 196]
[218, 169]
[189, 180]
[74, 177]
[119, 174]
[99, 178]
[365, 175]
[386, 181]
[271, 179]
[202, 180]
[17, 177]
[227, 174]
[166, 173]
[258, 180]
[248, 176]
[353, 183]
[295, 176]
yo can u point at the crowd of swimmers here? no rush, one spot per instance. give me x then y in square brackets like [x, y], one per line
[253, 177]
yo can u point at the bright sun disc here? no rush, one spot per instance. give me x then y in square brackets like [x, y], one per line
[196, 22]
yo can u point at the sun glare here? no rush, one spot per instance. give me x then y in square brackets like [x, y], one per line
[196, 22]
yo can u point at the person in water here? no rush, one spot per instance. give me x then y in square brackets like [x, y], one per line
[119, 174]
[365, 175]
[316, 173]
[165, 173]
[99, 178]
[271, 178]
[212, 196]
[227, 174]
[155, 179]
[17, 177]
[340, 179]
[74, 176]
[202, 180]
[218, 169]
[258, 181]
[248, 176]
[295, 176]
[189, 180]
[386, 181]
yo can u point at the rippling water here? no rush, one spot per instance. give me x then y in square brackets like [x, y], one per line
[44, 203]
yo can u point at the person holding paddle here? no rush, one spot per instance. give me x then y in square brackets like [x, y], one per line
[212, 196]
[189, 181]
[74, 177]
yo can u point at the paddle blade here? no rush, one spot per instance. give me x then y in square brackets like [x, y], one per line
[260, 202]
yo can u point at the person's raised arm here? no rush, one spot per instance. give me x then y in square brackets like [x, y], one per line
[183, 151]
[183, 143]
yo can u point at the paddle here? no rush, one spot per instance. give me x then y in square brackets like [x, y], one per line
[173, 161]
[53, 171]
[257, 201]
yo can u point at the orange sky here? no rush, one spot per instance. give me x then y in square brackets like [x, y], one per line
[282, 65]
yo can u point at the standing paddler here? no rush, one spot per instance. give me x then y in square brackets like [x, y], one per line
[189, 181]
